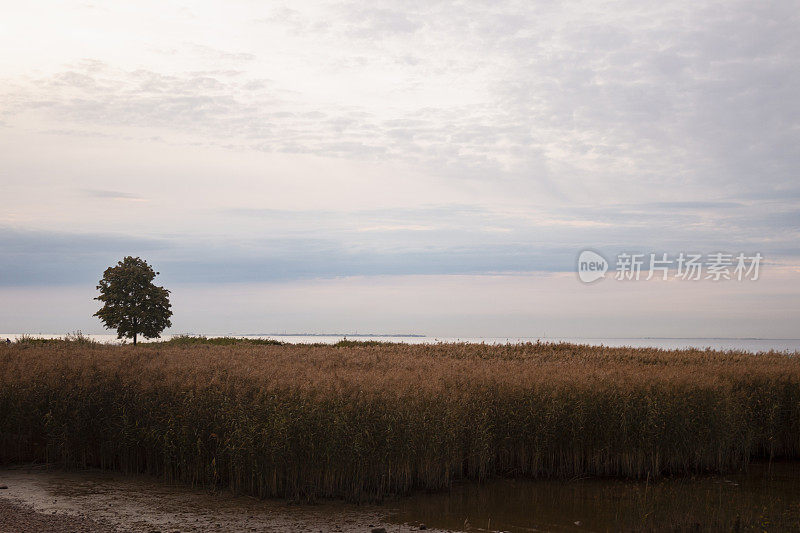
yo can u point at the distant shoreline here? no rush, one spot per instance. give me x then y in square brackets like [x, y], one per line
[751, 345]
[333, 335]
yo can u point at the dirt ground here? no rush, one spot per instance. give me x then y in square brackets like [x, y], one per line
[47, 500]
[20, 518]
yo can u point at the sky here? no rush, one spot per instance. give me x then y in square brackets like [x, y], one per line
[417, 167]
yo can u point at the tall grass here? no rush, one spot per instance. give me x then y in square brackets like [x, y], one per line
[188, 340]
[361, 421]
[76, 338]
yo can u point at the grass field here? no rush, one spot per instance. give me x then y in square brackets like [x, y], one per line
[364, 420]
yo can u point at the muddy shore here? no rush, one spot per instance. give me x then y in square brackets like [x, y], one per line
[22, 518]
[92, 501]
[764, 497]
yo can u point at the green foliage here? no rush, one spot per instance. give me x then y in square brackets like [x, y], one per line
[76, 337]
[132, 304]
[192, 340]
[31, 340]
[347, 343]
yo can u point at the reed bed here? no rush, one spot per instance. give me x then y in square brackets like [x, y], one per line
[362, 421]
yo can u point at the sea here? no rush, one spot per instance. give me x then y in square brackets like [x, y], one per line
[753, 345]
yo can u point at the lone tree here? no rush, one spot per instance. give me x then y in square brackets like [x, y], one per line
[132, 304]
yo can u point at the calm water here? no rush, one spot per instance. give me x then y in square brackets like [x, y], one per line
[766, 497]
[750, 345]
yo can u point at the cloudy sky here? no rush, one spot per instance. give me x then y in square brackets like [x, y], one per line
[428, 167]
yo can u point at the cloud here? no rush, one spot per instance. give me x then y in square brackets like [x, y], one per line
[57, 258]
[215, 53]
[281, 245]
[554, 100]
[693, 205]
[397, 227]
[113, 195]
[31, 257]
[525, 131]
[376, 23]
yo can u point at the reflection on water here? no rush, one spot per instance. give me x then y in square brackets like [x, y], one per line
[764, 498]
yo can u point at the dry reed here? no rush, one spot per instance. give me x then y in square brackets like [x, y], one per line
[364, 421]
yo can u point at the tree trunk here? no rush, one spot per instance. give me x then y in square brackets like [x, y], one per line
[134, 338]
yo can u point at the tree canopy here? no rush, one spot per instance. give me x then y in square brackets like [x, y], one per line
[132, 304]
